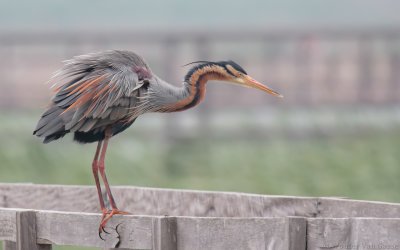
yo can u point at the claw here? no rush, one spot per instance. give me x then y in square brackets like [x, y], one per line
[118, 236]
[102, 228]
[116, 228]
[100, 236]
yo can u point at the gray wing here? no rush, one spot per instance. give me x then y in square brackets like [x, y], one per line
[94, 91]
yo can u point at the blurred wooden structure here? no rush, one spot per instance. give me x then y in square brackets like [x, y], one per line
[38, 216]
[311, 67]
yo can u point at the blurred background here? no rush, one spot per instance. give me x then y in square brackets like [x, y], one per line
[336, 62]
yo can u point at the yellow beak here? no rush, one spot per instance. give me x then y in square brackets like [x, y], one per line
[252, 83]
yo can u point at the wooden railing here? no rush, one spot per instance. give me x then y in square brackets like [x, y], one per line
[39, 216]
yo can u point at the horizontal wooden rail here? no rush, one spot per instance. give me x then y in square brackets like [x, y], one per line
[81, 229]
[175, 219]
[160, 232]
[158, 201]
[152, 232]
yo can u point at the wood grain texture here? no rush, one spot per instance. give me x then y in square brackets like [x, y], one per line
[353, 233]
[239, 233]
[8, 224]
[296, 233]
[164, 234]
[328, 207]
[186, 219]
[26, 232]
[43, 197]
[160, 232]
[81, 229]
[153, 201]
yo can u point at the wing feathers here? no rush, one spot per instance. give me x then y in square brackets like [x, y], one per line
[88, 125]
[92, 91]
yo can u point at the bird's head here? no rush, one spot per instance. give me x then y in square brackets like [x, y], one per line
[231, 72]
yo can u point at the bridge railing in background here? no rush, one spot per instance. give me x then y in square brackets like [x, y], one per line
[311, 67]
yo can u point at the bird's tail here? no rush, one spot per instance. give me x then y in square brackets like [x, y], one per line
[51, 125]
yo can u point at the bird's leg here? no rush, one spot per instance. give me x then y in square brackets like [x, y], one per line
[102, 169]
[95, 169]
[114, 208]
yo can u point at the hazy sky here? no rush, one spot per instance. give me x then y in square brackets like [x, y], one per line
[142, 14]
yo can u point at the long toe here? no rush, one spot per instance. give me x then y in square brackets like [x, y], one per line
[117, 211]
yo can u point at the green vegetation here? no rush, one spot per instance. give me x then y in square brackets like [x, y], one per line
[360, 166]
[364, 165]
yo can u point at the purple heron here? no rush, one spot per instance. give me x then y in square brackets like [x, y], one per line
[100, 95]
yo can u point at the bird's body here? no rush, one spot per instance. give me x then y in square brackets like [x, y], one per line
[95, 92]
[100, 95]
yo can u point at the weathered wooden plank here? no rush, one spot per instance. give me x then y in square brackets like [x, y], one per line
[327, 207]
[240, 233]
[81, 229]
[164, 234]
[296, 233]
[8, 228]
[167, 233]
[156, 232]
[153, 201]
[18, 229]
[48, 197]
[26, 232]
[353, 233]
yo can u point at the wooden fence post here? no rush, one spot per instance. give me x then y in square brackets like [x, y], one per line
[164, 234]
[296, 233]
[26, 233]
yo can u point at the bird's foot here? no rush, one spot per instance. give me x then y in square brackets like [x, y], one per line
[107, 214]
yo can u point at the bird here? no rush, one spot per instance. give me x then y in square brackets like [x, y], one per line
[99, 95]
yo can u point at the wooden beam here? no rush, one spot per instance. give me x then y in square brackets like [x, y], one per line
[328, 207]
[26, 232]
[154, 201]
[8, 224]
[296, 233]
[164, 234]
[81, 229]
[18, 230]
[241, 233]
[185, 232]
[353, 233]
[159, 232]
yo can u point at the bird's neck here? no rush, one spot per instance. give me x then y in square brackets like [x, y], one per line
[194, 86]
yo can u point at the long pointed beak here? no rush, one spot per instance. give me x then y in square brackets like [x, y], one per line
[252, 83]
